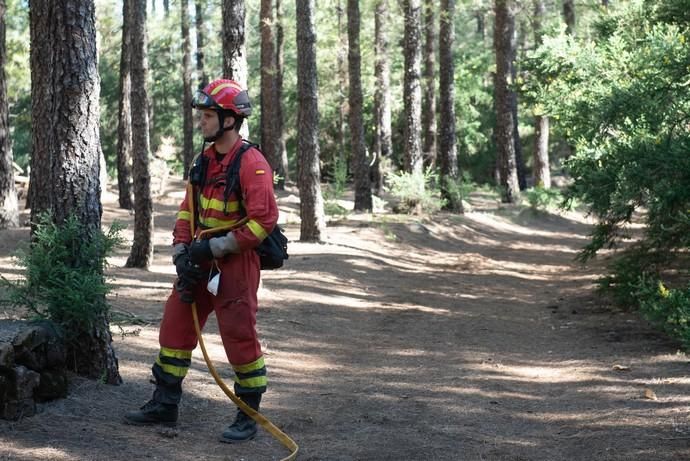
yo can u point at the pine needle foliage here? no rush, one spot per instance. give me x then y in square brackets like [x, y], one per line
[64, 275]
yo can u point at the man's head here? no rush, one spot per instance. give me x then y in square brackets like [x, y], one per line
[228, 101]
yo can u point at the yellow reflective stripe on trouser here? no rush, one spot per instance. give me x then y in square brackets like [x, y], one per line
[180, 359]
[184, 215]
[179, 372]
[249, 367]
[176, 353]
[258, 381]
[256, 229]
[218, 205]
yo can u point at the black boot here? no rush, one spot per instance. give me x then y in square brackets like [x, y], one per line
[244, 427]
[153, 413]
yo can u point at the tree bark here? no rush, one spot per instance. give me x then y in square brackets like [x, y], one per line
[569, 16]
[200, 11]
[505, 141]
[429, 95]
[142, 247]
[187, 116]
[313, 220]
[269, 101]
[124, 126]
[66, 141]
[412, 91]
[9, 208]
[481, 23]
[283, 170]
[542, 173]
[234, 51]
[363, 200]
[519, 160]
[343, 90]
[382, 99]
[447, 149]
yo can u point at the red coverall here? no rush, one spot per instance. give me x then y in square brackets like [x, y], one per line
[235, 304]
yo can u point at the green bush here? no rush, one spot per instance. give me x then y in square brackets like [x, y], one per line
[459, 189]
[64, 279]
[668, 309]
[625, 122]
[416, 192]
[540, 198]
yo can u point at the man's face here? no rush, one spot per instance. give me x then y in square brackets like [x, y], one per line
[208, 122]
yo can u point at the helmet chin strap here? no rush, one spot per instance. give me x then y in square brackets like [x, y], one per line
[221, 129]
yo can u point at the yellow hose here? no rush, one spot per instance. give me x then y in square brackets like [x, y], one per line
[279, 435]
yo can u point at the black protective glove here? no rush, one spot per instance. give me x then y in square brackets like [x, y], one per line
[187, 272]
[200, 251]
[185, 291]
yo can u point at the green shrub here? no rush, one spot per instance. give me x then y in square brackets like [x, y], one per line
[64, 279]
[416, 192]
[540, 198]
[668, 309]
[458, 190]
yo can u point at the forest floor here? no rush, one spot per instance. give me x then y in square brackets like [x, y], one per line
[472, 337]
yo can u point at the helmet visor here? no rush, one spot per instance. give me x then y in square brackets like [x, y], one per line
[203, 101]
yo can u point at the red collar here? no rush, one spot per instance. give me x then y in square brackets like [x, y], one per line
[211, 153]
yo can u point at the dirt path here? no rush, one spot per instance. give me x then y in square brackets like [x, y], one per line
[461, 338]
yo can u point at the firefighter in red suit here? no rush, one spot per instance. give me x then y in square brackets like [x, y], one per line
[223, 105]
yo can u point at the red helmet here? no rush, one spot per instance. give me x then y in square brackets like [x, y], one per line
[223, 95]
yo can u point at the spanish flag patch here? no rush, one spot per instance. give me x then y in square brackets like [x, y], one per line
[260, 172]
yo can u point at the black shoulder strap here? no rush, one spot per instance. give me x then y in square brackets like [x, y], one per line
[233, 176]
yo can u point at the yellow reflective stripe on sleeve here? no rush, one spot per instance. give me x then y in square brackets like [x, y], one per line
[217, 205]
[249, 367]
[176, 353]
[184, 215]
[256, 229]
[179, 372]
[214, 222]
[259, 381]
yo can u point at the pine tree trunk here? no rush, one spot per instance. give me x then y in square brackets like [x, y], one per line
[200, 11]
[383, 147]
[363, 200]
[124, 126]
[283, 170]
[481, 24]
[234, 54]
[142, 247]
[66, 142]
[234, 51]
[569, 16]
[505, 128]
[447, 149]
[519, 160]
[313, 220]
[187, 116]
[343, 108]
[542, 173]
[412, 91]
[9, 209]
[269, 102]
[429, 95]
